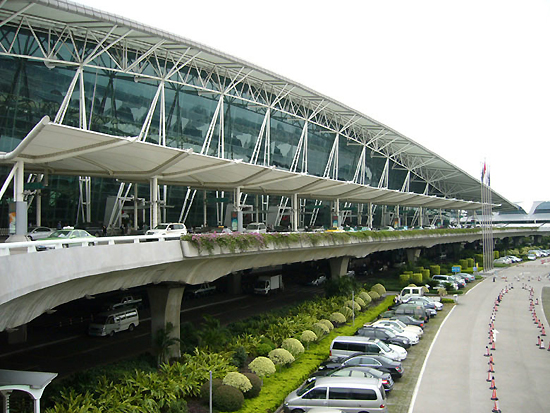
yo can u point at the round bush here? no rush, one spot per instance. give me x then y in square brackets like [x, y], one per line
[353, 305]
[338, 318]
[237, 380]
[308, 336]
[363, 295]
[256, 386]
[227, 398]
[205, 388]
[262, 366]
[374, 295]
[361, 303]
[320, 330]
[327, 323]
[281, 356]
[380, 289]
[348, 313]
[293, 346]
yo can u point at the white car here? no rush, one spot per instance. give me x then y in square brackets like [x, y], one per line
[413, 338]
[256, 228]
[401, 327]
[168, 230]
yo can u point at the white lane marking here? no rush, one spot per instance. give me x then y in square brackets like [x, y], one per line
[417, 386]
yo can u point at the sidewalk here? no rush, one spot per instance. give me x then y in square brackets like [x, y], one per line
[456, 369]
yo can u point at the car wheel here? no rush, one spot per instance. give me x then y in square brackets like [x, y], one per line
[297, 411]
[112, 333]
[131, 327]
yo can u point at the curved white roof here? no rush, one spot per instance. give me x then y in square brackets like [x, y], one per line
[445, 177]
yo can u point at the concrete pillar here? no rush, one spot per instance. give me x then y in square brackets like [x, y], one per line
[234, 283]
[294, 216]
[369, 217]
[6, 403]
[165, 304]
[154, 190]
[21, 218]
[338, 266]
[237, 207]
[412, 254]
[136, 221]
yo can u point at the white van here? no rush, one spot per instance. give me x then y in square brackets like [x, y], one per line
[345, 346]
[256, 228]
[350, 394]
[111, 322]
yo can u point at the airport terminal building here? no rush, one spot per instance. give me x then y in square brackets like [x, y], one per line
[109, 121]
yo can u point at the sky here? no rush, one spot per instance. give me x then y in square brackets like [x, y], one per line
[468, 80]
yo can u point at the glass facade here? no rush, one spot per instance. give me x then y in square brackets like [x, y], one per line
[118, 102]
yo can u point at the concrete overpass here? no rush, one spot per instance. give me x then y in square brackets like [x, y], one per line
[36, 282]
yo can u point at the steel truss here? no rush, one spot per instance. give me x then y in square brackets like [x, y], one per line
[102, 45]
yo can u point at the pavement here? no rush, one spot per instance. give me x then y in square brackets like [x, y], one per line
[455, 373]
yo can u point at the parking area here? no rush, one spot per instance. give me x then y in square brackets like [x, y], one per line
[454, 377]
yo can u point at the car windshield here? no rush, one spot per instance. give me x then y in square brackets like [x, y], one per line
[61, 233]
[305, 388]
[161, 226]
[384, 346]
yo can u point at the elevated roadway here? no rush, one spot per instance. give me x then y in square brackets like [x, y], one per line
[36, 282]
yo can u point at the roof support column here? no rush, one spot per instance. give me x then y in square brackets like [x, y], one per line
[204, 210]
[18, 214]
[135, 206]
[154, 192]
[336, 216]
[295, 208]
[420, 217]
[369, 217]
[238, 209]
[338, 267]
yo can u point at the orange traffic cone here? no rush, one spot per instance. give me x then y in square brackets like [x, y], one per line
[494, 395]
[491, 369]
[491, 360]
[495, 408]
[493, 346]
[489, 377]
[493, 386]
[487, 354]
[543, 333]
[538, 341]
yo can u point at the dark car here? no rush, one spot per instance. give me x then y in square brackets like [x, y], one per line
[410, 321]
[383, 334]
[382, 363]
[357, 371]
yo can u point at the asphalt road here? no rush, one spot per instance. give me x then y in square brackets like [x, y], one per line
[455, 373]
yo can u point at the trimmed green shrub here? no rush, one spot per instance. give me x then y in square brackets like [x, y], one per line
[417, 278]
[496, 254]
[364, 296]
[262, 366]
[470, 262]
[308, 336]
[352, 305]
[327, 323]
[380, 289]
[463, 263]
[227, 398]
[361, 303]
[205, 388]
[338, 318]
[280, 356]
[294, 346]
[237, 380]
[256, 386]
[479, 258]
[374, 295]
[320, 330]
[404, 279]
[435, 270]
[425, 275]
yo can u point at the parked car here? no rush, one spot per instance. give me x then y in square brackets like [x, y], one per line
[399, 327]
[351, 394]
[343, 346]
[468, 277]
[459, 281]
[445, 279]
[384, 334]
[408, 320]
[514, 258]
[382, 363]
[168, 230]
[256, 228]
[318, 280]
[39, 233]
[357, 371]
[428, 302]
